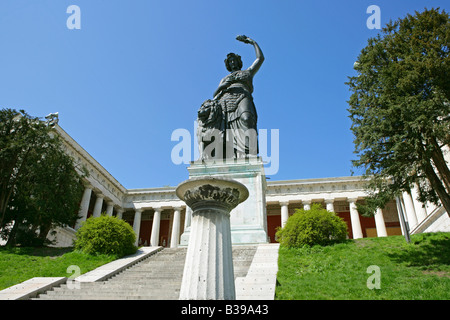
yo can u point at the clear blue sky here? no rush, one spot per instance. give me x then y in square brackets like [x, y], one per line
[137, 70]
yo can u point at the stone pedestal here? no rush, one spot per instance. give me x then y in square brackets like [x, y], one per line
[208, 271]
[249, 219]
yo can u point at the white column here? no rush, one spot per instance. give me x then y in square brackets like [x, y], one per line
[98, 205]
[109, 208]
[399, 205]
[137, 224]
[175, 228]
[154, 238]
[119, 213]
[421, 213]
[187, 219]
[208, 271]
[379, 223]
[84, 206]
[410, 212]
[284, 212]
[306, 204]
[329, 204]
[354, 217]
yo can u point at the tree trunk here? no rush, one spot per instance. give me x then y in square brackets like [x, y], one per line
[43, 232]
[441, 164]
[12, 235]
[438, 187]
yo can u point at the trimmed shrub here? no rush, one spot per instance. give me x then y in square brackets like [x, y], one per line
[106, 235]
[316, 226]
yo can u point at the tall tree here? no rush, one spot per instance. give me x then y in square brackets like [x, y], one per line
[39, 185]
[400, 109]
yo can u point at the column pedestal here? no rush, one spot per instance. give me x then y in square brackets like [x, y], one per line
[379, 224]
[137, 224]
[249, 220]
[284, 213]
[84, 206]
[154, 238]
[306, 204]
[208, 271]
[354, 217]
[175, 228]
[98, 206]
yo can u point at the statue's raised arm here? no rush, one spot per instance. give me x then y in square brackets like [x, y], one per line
[259, 55]
[232, 112]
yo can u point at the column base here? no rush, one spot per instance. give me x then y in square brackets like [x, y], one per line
[249, 219]
[208, 271]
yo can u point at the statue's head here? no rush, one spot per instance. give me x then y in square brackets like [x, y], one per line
[233, 62]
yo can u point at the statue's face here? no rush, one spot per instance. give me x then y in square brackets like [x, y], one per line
[233, 63]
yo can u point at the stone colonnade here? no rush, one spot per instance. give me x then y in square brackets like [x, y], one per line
[354, 216]
[111, 207]
[414, 211]
[156, 224]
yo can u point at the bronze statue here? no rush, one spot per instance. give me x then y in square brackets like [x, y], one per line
[227, 124]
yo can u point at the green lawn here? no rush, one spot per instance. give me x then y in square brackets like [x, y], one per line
[416, 271]
[20, 264]
[420, 270]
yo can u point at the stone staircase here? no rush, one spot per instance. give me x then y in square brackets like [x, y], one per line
[157, 277]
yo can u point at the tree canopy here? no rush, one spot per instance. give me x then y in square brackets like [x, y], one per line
[400, 109]
[39, 184]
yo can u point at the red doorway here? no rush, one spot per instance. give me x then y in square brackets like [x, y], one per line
[145, 232]
[273, 222]
[164, 233]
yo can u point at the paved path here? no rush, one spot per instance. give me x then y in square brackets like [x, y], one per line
[153, 274]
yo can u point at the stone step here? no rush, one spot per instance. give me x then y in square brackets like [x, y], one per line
[150, 273]
[122, 286]
[114, 291]
[157, 277]
[111, 297]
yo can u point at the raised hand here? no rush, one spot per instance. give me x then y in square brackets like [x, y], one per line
[245, 39]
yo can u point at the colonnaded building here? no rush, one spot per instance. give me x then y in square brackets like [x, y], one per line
[159, 217]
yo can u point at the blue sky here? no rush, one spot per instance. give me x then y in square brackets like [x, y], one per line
[138, 70]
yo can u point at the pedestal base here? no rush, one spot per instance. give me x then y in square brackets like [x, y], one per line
[208, 270]
[249, 219]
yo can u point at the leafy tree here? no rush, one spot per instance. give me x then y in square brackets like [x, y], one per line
[400, 109]
[316, 226]
[39, 185]
[106, 235]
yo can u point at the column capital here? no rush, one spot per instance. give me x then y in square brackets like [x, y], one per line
[98, 205]
[329, 201]
[307, 201]
[154, 237]
[87, 185]
[352, 199]
[354, 219]
[177, 208]
[283, 202]
[137, 224]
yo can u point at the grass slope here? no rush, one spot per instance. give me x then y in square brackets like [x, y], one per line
[20, 264]
[416, 271]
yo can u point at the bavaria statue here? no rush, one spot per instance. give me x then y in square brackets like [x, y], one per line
[227, 123]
